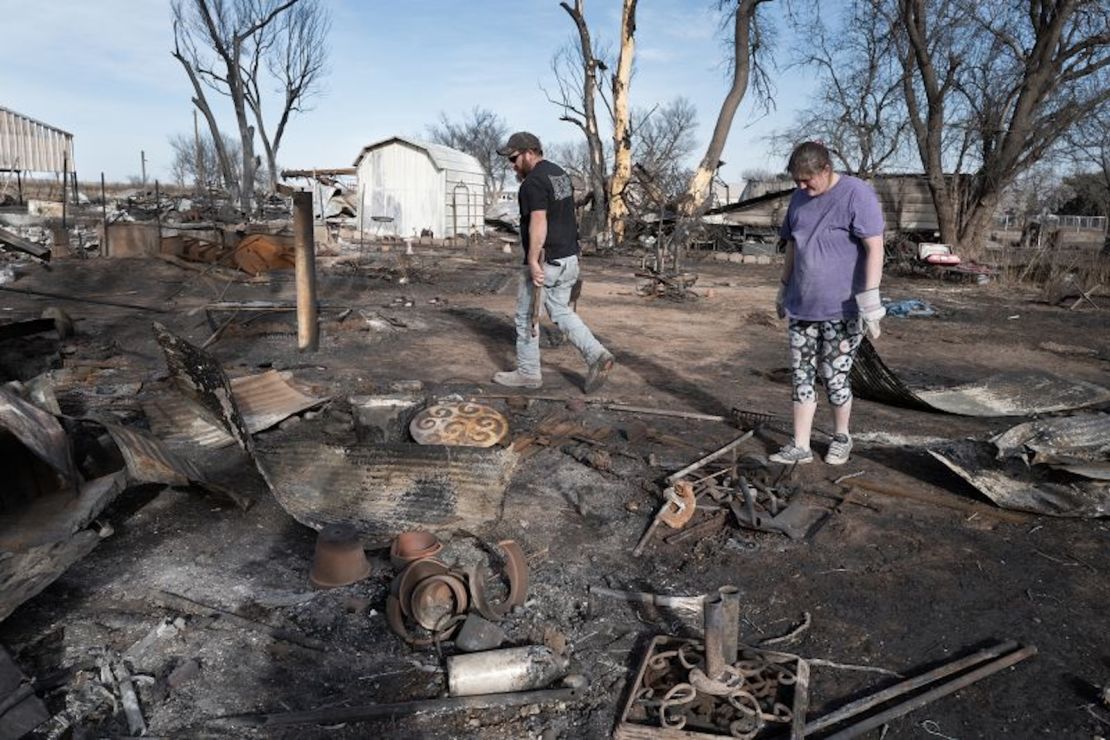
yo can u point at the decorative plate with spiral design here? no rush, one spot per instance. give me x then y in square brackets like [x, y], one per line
[459, 424]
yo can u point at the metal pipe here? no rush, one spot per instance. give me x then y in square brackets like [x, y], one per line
[910, 684]
[933, 694]
[709, 458]
[104, 215]
[497, 671]
[361, 215]
[730, 598]
[158, 213]
[65, 177]
[713, 616]
[304, 248]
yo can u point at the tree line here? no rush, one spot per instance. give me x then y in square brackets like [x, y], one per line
[975, 94]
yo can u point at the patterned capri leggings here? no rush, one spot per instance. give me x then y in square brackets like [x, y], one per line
[825, 348]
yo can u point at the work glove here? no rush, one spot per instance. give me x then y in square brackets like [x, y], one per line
[871, 311]
[780, 301]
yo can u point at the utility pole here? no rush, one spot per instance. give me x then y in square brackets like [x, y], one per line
[142, 163]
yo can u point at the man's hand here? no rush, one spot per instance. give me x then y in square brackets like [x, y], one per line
[871, 310]
[537, 273]
[780, 301]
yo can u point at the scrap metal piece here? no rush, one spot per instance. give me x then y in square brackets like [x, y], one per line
[40, 433]
[38, 543]
[264, 400]
[202, 378]
[1085, 436]
[1005, 394]
[1012, 485]
[516, 571]
[459, 424]
[149, 460]
[386, 489]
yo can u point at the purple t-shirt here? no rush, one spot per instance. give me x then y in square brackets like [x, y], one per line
[829, 256]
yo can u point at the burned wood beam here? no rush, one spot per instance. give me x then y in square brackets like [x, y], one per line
[19, 243]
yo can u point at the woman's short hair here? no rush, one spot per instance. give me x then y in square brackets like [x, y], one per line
[809, 158]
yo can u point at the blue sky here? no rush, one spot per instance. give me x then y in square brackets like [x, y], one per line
[103, 71]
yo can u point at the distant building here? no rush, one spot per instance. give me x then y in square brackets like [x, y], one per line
[409, 187]
[906, 201]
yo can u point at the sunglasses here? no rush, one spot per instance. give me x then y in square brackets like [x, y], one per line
[513, 157]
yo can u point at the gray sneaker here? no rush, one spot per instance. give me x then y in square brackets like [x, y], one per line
[517, 379]
[599, 370]
[839, 449]
[792, 454]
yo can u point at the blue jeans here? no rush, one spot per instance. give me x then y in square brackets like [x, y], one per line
[558, 281]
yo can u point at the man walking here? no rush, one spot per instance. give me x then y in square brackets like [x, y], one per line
[549, 236]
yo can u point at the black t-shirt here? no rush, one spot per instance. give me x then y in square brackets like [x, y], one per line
[547, 188]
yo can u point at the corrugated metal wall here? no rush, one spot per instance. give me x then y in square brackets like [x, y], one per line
[26, 145]
[420, 186]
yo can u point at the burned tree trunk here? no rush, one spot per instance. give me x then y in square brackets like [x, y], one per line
[622, 136]
[588, 122]
[697, 192]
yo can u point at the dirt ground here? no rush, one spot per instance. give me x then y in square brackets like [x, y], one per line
[894, 584]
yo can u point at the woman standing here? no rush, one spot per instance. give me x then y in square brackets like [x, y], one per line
[830, 291]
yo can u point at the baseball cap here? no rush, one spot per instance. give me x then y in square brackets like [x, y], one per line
[519, 142]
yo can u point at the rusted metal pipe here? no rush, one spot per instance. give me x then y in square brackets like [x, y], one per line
[104, 216]
[861, 705]
[905, 707]
[709, 458]
[713, 616]
[304, 246]
[730, 598]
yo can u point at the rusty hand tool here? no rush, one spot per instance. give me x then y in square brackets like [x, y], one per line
[678, 506]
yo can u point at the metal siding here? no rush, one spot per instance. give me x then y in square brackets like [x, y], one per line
[30, 146]
[400, 181]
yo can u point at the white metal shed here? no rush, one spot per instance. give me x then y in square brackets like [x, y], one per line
[407, 187]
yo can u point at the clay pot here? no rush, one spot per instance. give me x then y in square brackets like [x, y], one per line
[408, 547]
[339, 559]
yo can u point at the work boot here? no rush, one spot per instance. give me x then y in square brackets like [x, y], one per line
[517, 379]
[792, 454]
[839, 449]
[599, 370]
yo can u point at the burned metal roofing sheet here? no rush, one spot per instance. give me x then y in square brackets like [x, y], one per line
[1011, 484]
[263, 400]
[386, 489]
[1005, 394]
[39, 432]
[1081, 435]
[202, 378]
